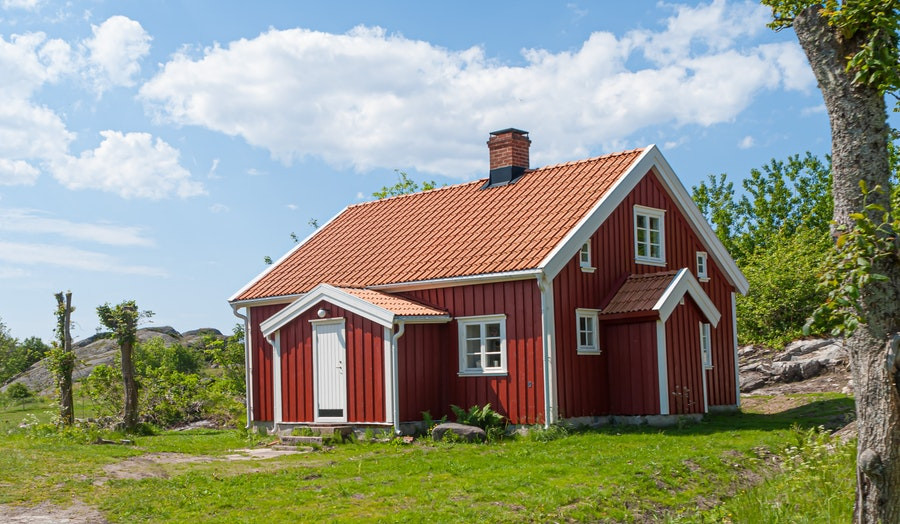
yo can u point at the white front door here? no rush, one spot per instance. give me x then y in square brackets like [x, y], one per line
[329, 370]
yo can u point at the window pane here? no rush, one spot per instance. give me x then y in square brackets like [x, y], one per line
[641, 221]
[473, 362]
[588, 323]
[493, 361]
[473, 347]
[473, 331]
[654, 223]
[493, 330]
[492, 346]
[582, 339]
[654, 237]
[589, 339]
[654, 252]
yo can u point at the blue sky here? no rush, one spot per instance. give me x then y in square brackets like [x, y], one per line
[158, 150]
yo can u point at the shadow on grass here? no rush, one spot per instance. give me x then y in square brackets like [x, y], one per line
[833, 413]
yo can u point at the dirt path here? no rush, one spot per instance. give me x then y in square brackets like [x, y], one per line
[149, 465]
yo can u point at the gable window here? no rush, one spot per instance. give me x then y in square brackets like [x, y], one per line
[586, 331]
[482, 345]
[705, 346]
[702, 272]
[649, 236]
[584, 257]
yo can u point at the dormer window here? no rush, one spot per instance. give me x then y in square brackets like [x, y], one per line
[584, 257]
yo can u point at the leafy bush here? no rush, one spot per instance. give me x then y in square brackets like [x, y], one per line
[228, 355]
[484, 417]
[19, 392]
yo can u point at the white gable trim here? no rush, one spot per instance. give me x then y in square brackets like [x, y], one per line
[650, 158]
[333, 295]
[684, 282]
[284, 257]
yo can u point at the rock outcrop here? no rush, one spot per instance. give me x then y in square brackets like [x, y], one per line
[100, 349]
[801, 360]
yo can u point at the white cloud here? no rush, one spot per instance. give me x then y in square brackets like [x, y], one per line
[12, 272]
[211, 174]
[747, 142]
[292, 207]
[115, 51]
[219, 208]
[35, 222]
[68, 257]
[255, 172]
[17, 172]
[27, 5]
[368, 99]
[814, 110]
[131, 165]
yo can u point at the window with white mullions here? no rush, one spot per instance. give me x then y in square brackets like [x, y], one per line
[586, 331]
[649, 235]
[482, 345]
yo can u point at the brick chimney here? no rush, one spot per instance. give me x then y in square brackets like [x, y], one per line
[509, 156]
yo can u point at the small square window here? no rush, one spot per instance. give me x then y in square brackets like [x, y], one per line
[586, 331]
[702, 271]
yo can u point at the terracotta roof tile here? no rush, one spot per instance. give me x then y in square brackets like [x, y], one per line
[639, 293]
[452, 231]
[397, 305]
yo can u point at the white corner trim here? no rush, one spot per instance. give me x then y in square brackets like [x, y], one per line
[388, 376]
[334, 296]
[290, 252]
[554, 262]
[395, 373]
[548, 345]
[684, 282]
[275, 341]
[662, 367]
[734, 350]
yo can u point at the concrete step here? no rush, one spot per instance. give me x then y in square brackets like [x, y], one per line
[296, 440]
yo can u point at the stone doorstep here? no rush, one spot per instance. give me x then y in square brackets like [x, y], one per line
[323, 431]
[293, 440]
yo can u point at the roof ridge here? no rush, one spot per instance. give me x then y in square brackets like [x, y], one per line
[417, 193]
[592, 159]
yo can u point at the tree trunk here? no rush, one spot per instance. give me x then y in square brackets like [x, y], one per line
[66, 404]
[131, 401]
[859, 138]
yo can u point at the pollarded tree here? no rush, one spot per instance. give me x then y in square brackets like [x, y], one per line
[852, 46]
[122, 320]
[62, 358]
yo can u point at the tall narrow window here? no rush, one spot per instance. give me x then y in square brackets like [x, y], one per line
[649, 236]
[585, 254]
[702, 272]
[586, 331]
[482, 345]
[705, 345]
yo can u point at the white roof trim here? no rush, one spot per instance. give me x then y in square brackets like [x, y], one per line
[684, 282]
[650, 158]
[275, 264]
[254, 302]
[333, 295]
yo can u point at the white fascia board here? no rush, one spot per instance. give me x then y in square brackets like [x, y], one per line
[334, 296]
[684, 282]
[701, 227]
[423, 319]
[284, 257]
[486, 278]
[283, 299]
[574, 239]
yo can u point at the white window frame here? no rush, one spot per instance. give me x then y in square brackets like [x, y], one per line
[649, 213]
[584, 257]
[462, 324]
[591, 315]
[706, 345]
[702, 266]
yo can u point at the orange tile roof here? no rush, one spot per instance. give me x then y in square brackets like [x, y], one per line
[639, 293]
[399, 306]
[452, 231]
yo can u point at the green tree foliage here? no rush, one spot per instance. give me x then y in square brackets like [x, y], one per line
[61, 358]
[122, 320]
[19, 392]
[778, 233]
[15, 356]
[228, 355]
[404, 186]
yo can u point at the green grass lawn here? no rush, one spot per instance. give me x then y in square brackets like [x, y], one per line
[713, 471]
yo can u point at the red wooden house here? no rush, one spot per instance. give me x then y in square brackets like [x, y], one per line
[579, 291]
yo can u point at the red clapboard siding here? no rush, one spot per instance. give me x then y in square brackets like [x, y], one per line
[261, 361]
[633, 386]
[581, 392]
[684, 359]
[518, 395]
[364, 366]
